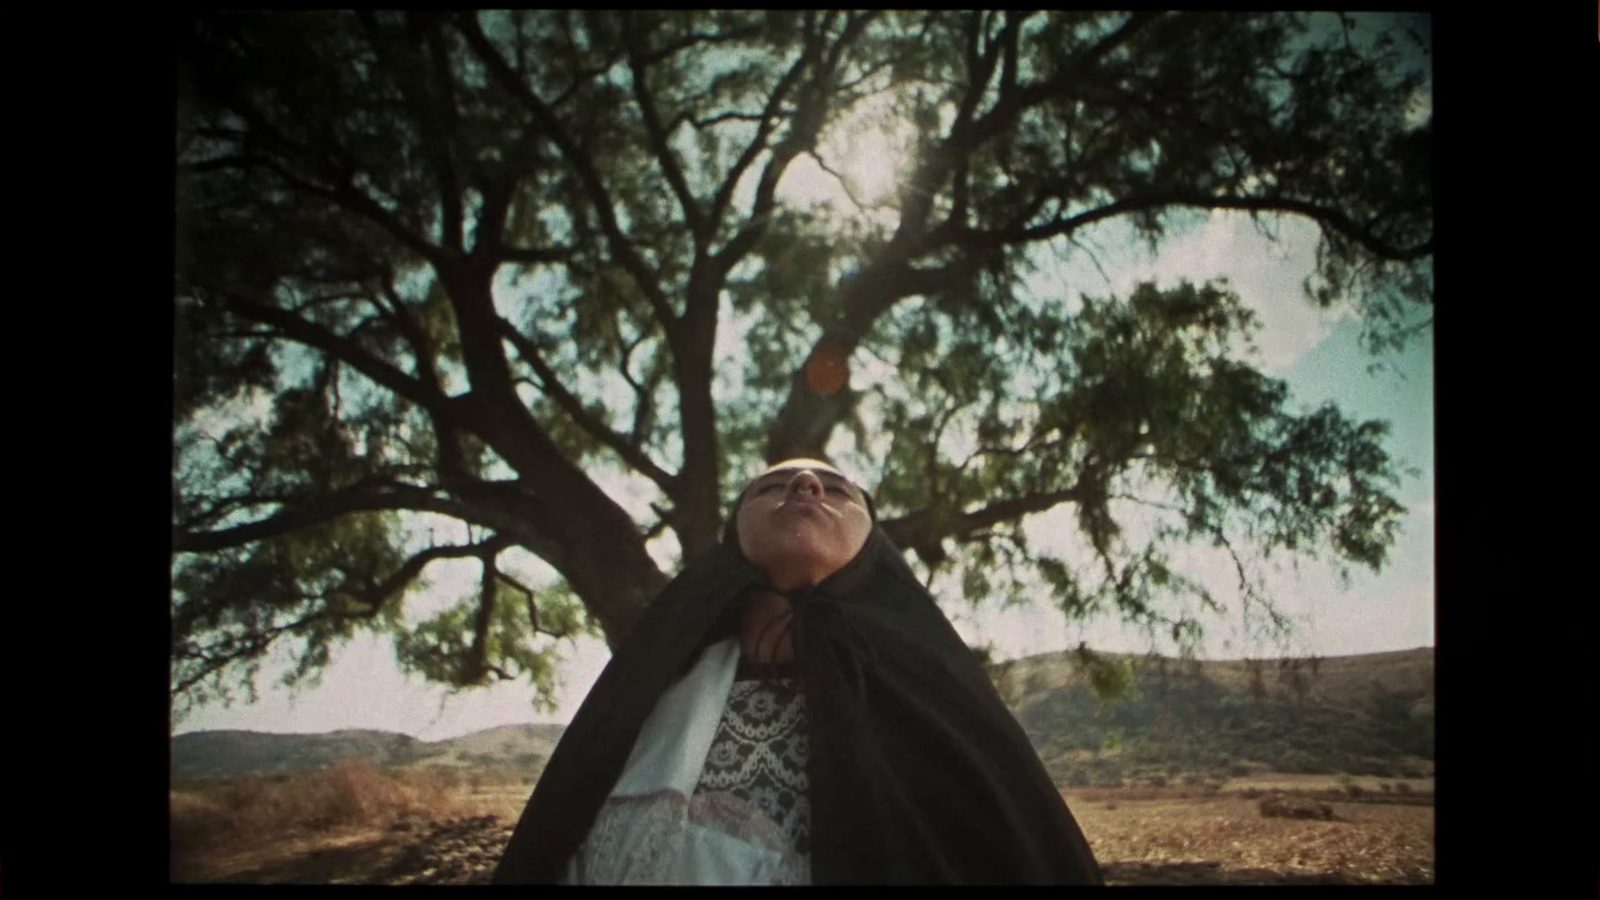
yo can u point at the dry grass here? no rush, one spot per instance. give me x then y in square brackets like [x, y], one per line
[344, 797]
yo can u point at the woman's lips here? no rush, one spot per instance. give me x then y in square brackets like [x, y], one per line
[803, 506]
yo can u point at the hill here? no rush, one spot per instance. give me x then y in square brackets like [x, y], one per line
[1367, 715]
[222, 755]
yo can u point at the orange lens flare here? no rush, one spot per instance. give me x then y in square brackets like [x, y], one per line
[827, 370]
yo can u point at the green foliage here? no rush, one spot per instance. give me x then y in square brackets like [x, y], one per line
[425, 259]
[440, 648]
[1110, 678]
[310, 584]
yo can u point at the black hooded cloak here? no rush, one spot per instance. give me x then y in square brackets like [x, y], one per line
[918, 772]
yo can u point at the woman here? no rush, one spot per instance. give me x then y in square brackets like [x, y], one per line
[794, 708]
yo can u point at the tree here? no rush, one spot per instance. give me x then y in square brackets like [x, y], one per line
[475, 266]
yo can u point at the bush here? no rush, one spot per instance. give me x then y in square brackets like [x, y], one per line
[1386, 787]
[1354, 790]
[1403, 788]
[1077, 778]
[1158, 781]
[1238, 770]
[1193, 780]
[1299, 762]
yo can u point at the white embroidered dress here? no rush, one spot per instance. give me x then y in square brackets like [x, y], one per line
[714, 791]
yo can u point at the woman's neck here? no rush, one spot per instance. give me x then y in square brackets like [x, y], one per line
[766, 630]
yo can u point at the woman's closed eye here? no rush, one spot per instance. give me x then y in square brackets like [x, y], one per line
[778, 486]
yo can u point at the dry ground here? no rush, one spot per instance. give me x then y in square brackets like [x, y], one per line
[1141, 836]
[1367, 843]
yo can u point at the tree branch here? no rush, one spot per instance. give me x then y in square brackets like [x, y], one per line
[927, 526]
[373, 598]
[476, 666]
[1006, 109]
[1246, 587]
[322, 508]
[1325, 216]
[412, 87]
[658, 136]
[699, 37]
[339, 347]
[724, 196]
[532, 256]
[843, 181]
[804, 128]
[552, 386]
[599, 199]
[703, 124]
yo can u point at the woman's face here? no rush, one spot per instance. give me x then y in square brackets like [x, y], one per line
[802, 521]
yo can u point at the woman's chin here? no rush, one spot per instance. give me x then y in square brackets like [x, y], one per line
[800, 571]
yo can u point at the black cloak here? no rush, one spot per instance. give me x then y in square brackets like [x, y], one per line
[919, 774]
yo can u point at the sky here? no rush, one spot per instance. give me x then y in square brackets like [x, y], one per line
[1315, 352]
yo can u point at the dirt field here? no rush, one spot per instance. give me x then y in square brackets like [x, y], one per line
[1225, 839]
[1140, 836]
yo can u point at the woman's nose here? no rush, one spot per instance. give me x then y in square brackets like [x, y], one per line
[805, 482]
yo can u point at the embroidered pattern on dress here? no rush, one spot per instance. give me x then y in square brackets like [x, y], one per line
[759, 756]
[633, 839]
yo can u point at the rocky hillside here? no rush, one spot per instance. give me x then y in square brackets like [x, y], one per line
[1370, 714]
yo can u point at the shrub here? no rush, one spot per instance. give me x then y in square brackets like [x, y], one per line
[1354, 790]
[1280, 806]
[1238, 770]
[1403, 787]
[1193, 780]
[1159, 781]
[1386, 787]
[1077, 778]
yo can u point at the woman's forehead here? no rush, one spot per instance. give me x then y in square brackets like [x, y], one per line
[795, 465]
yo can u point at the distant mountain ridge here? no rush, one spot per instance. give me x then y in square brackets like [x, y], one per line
[1372, 712]
[209, 755]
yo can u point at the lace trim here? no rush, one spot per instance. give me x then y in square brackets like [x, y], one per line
[759, 755]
